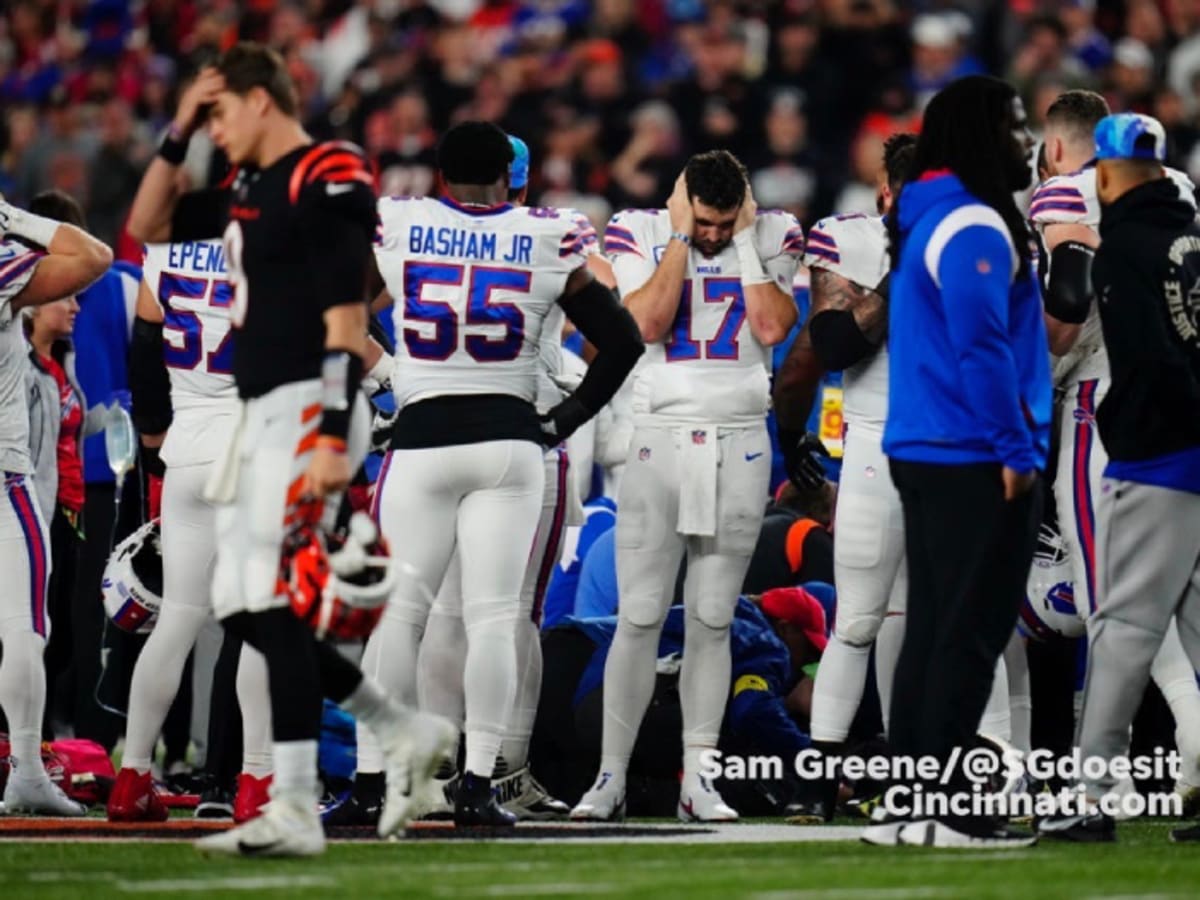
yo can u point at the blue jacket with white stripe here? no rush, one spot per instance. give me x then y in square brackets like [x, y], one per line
[969, 376]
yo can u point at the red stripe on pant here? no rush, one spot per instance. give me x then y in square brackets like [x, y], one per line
[1085, 516]
[553, 542]
[35, 545]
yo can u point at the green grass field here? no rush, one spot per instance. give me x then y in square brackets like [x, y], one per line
[1142, 864]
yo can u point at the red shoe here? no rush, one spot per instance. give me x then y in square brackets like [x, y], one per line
[252, 795]
[133, 799]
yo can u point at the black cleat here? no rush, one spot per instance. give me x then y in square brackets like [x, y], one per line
[1187, 834]
[1092, 828]
[360, 810]
[475, 805]
[215, 803]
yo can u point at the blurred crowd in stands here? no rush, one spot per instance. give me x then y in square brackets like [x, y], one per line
[612, 95]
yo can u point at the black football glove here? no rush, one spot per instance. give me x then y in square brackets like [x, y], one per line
[383, 424]
[804, 467]
[561, 421]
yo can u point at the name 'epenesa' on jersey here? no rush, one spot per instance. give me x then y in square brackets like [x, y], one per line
[710, 368]
[855, 246]
[473, 290]
[17, 265]
[1071, 199]
[190, 283]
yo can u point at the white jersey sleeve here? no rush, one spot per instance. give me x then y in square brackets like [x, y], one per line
[473, 289]
[17, 266]
[550, 352]
[626, 241]
[780, 241]
[1066, 200]
[1187, 188]
[855, 247]
[190, 282]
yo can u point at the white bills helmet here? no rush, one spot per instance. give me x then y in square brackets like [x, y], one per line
[133, 580]
[1049, 607]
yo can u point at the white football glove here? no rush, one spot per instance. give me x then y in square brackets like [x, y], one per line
[382, 426]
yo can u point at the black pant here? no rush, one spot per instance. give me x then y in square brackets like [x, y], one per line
[969, 552]
[64, 551]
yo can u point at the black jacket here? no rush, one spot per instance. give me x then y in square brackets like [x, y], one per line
[1146, 276]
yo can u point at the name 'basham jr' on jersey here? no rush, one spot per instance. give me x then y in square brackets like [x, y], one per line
[473, 289]
[710, 368]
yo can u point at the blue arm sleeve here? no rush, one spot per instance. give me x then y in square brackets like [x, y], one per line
[975, 271]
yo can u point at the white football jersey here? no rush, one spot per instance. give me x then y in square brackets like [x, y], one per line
[190, 283]
[473, 289]
[17, 265]
[855, 247]
[710, 369]
[1071, 199]
[550, 353]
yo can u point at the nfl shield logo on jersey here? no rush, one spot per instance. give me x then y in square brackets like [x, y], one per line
[644, 454]
[699, 436]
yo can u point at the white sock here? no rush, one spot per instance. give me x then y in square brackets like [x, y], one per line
[1173, 674]
[838, 691]
[254, 698]
[369, 706]
[156, 679]
[887, 650]
[629, 676]
[490, 678]
[515, 748]
[390, 661]
[703, 681]
[1020, 699]
[997, 720]
[295, 769]
[23, 698]
[440, 666]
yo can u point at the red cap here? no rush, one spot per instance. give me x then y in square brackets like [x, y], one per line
[799, 607]
[599, 51]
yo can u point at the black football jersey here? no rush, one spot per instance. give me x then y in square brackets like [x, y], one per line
[298, 241]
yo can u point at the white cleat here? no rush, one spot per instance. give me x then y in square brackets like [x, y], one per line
[700, 802]
[39, 797]
[411, 759]
[884, 828]
[605, 802]
[522, 795]
[288, 826]
[433, 799]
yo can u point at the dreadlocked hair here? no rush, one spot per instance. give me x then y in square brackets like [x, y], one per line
[965, 130]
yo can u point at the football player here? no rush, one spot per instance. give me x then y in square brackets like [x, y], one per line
[475, 280]
[41, 261]
[297, 245]
[709, 282]
[443, 648]
[181, 364]
[1065, 212]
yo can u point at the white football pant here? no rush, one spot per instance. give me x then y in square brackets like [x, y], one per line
[486, 499]
[649, 548]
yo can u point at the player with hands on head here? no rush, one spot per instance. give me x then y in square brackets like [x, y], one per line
[709, 282]
[41, 261]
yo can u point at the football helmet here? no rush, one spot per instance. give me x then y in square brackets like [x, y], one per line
[339, 583]
[1049, 605]
[133, 580]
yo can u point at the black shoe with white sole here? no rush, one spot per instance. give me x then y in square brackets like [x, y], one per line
[1186, 834]
[978, 833]
[1091, 828]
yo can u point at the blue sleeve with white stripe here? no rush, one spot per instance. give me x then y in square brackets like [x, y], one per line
[975, 272]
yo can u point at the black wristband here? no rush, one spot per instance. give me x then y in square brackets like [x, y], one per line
[152, 462]
[173, 150]
[341, 378]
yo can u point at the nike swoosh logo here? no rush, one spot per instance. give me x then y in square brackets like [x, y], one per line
[255, 849]
[334, 189]
[751, 457]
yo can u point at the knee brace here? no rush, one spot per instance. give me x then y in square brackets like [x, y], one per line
[491, 613]
[643, 611]
[857, 630]
[712, 611]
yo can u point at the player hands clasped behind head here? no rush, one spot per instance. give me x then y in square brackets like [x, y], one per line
[474, 280]
[41, 261]
[297, 248]
[709, 282]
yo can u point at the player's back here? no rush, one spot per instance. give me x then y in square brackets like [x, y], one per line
[855, 246]
[710, 367]
[190, 282]
[472, 291]
[17, 264]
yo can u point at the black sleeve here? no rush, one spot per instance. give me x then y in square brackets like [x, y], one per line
[603, 321]
[837, 340]
[149, 383]
[1069, 285]
[200, 215]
